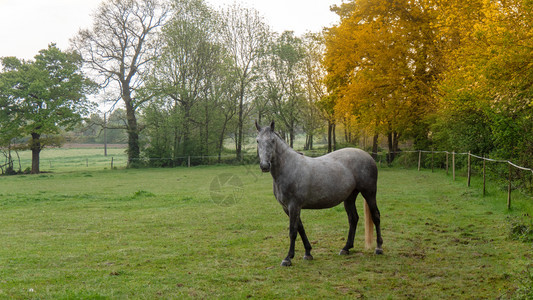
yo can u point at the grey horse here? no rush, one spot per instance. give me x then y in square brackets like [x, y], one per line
[302, 182]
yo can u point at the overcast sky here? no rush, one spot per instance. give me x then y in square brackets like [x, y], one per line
[27, 26]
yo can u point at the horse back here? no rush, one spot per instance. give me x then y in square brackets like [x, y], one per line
[325, 181]
[360, 163]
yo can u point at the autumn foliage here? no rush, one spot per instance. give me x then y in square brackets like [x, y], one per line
[447, 74]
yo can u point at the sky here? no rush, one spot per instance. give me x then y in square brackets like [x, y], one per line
[27, 26]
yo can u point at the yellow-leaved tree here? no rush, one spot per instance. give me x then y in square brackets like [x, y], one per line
[383, 62]
[486, 93]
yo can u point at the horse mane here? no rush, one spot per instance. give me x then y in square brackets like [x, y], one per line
[279, 136]
[281, 139]
[285, 143]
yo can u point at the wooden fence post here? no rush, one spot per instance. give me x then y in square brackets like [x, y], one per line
[446, 163]
[509, 190]
[453, 165]
[484, 176]
[419, 158]
[111, 162]
[531, 182]
[188, 161]
[432, 159]
[469, 171]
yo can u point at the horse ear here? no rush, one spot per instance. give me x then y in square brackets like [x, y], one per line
[257, 126]
[272, 126]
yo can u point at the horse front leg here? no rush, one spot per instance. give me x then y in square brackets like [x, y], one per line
[303, 235]
[294, 217]
[305, 240]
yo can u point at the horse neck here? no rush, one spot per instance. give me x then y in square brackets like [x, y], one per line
[284, 154]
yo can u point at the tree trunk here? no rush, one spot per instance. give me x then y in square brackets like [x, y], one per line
[105, 134]
[35, 152]
[221, 140]
[206, 138]
[392, 141]
[291, 137]
[346, 134]
[390, 156]
[395, 142]
[240, 124]
[175, 151]
[10, 169]
[177, 136]
[334, 136]
[375, 146]
[330, 137]
[308, 142]
[133, 129]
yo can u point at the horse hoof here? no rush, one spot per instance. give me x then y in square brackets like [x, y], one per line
[379, 251]
[308, 257]
[344, 252]
[286, 263]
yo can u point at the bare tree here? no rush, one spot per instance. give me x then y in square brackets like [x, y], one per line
[118, 50]
[245, 35]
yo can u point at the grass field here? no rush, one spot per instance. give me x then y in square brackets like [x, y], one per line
[76, 159]
[172, 233]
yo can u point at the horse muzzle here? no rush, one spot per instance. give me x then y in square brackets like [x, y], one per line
[265, 167]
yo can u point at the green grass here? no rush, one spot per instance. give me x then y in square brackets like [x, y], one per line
[158, 233]
[78, 159]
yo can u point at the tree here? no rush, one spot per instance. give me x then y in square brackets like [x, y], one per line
[10, 127]
[283, 81]
[245, 34]
[488, 86]
[44, 96]
[314, 86]
[382, 66]
[119, 48]
[185, 71]
[104, 128]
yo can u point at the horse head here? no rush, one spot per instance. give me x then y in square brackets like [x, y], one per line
[266, 142]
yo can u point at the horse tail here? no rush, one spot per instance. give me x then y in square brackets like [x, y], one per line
[369, 227]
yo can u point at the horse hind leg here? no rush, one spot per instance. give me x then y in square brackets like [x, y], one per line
[370, 198]
[353, 218]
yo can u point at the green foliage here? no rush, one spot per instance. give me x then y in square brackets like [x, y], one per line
[283, 83]
[92, 130]
[525, 288]
[49, 92]
[194, 100]
[522, 229]
[463, 131]
[486, 92]
[41, 98]
[162, 130]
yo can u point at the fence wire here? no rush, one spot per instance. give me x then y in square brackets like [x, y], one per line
[460, 161]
